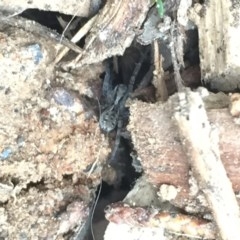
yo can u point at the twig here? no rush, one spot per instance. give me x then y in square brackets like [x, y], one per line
[136, 71]
[77, 37]
[94, 208]
[176, 65]
[159, 74]
[200, 140]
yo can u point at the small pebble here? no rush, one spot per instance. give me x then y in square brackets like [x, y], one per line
[63, 97]
[5, 154]
[36, 52]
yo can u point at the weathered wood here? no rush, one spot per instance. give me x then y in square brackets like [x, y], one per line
[218, 24]
[201, 143]
[156, 139]
[113, 31]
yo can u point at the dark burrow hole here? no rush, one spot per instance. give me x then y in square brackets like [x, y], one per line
[127, 167]
[108, 195]
[45, 18]
[122, 160]
[57, 21]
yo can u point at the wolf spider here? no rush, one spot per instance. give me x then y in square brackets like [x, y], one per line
[113, 111]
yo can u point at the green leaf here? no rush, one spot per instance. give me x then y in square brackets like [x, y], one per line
[160, 8]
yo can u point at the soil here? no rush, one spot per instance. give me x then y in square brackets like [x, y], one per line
[59, 170]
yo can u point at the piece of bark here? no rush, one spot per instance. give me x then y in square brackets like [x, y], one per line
[156, 139]
[83, 8]
[142, 213]
[142, 195]
[200, 141]
[219, 27]
[154, 218]
[113, 31]
[132, 233]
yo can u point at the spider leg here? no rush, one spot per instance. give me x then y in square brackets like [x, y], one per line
[117, 141]
[107, 87]
[107, 81]
[136, 71]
